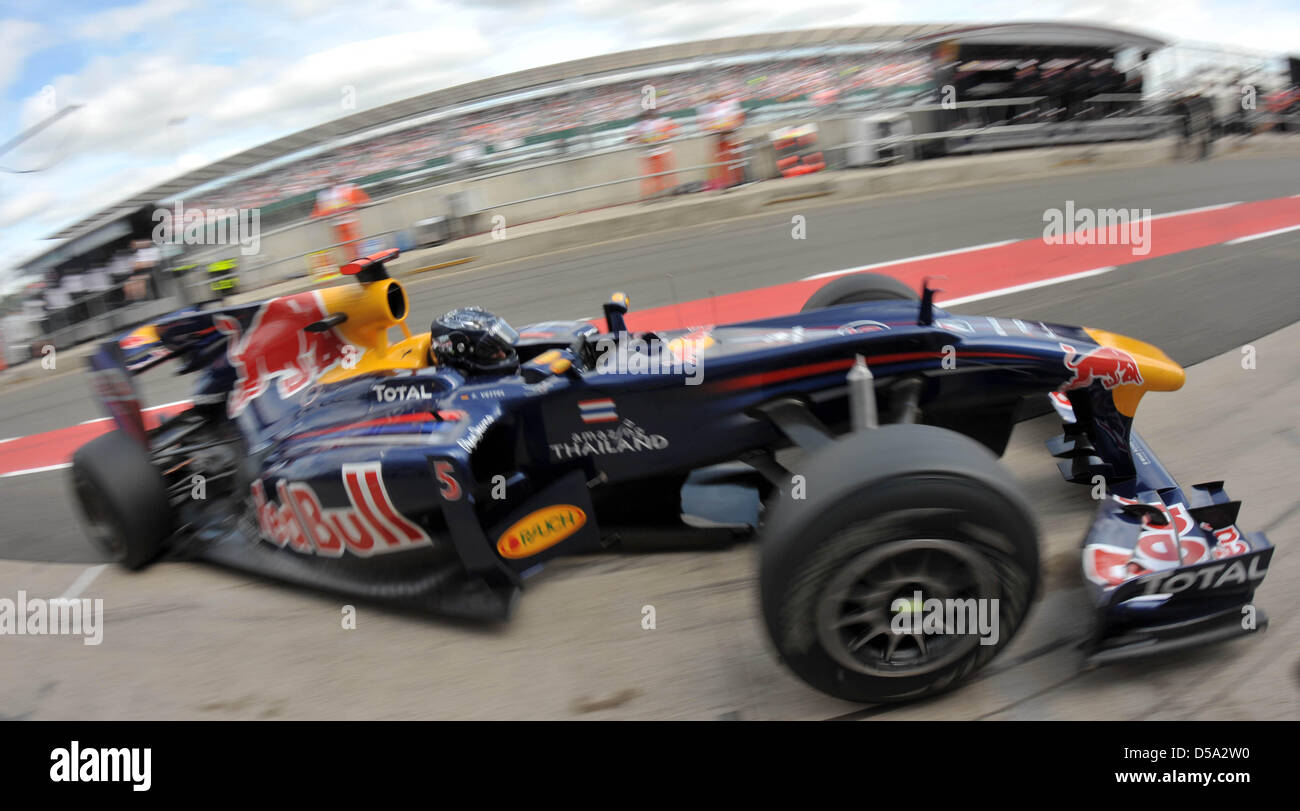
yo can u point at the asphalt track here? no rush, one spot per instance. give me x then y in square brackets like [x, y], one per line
[190, 641]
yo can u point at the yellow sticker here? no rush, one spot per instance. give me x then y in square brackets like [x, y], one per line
[540, 530]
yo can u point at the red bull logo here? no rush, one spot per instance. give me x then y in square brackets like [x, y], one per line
[370, 525]
[278, 348]
[1112, 367]
[1170, 545]
[139, 338]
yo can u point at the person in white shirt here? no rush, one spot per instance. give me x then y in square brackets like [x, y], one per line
[723, 116]
[653, 131]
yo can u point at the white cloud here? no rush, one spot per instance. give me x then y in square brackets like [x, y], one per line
[18, 39]
[376, 70]
[20, 208]
[682, 20]
[122, 21]
[158, 106]
[170, 84]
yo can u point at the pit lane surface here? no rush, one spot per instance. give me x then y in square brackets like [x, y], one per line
[190, 641]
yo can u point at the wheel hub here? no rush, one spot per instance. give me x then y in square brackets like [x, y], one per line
[859, 614]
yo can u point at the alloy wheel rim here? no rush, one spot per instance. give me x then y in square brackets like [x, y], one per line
[856, 612]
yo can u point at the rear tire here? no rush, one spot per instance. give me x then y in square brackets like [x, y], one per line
[890, 512]
[122, 499]
[857, 288]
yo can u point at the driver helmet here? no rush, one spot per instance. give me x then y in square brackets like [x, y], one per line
[474, 340]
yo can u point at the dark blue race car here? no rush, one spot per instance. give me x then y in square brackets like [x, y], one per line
[858, 439]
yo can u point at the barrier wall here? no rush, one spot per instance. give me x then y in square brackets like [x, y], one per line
[574, 184]
[553, 188]
[283, 252]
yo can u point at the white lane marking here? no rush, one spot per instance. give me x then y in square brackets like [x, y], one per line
[47, 468]
[84, 579]
[988, 245]
[34, 470]
[1006, 291]
[1195, 210]
[907, 259]
[150, 408]
[1274, 232]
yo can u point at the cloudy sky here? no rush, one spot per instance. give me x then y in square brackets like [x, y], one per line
[168, 85]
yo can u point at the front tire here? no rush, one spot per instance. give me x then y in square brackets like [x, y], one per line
[857, 288]
[889, 513]
[122, 499]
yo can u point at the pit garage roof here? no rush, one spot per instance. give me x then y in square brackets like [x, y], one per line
[1040, 33]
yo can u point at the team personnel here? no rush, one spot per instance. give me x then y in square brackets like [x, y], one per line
[339, 203]
[723, 116]
[653, 131]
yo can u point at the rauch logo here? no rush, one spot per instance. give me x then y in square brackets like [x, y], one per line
[540, 530]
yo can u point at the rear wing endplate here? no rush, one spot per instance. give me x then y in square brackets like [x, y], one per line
[114, 388]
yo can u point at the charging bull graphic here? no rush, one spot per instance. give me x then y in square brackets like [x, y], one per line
[1169, 545]
[278, 347]
[1113, 367]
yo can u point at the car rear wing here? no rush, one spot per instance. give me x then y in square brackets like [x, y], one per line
[113, 385]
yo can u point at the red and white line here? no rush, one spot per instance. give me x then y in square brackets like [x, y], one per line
[1272, 233]
[974, 273]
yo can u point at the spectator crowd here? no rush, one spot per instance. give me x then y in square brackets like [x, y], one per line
[506, 126]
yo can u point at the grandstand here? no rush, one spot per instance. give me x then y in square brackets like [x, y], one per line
[501, 135]
[426, 128]
[594, 112]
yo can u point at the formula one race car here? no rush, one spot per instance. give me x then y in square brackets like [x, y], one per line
[858, 439]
